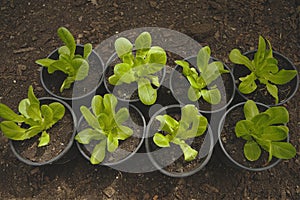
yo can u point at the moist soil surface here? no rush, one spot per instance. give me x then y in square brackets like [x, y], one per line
[28, 32]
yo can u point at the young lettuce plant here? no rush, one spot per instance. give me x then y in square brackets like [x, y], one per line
[200, 81]
[75, 66]
[139, 67]
[264, 67]
[265, 130]
[191, 125]
[37, 118]
[105, 126]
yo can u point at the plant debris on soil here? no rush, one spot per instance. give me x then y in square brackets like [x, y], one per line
[28, 32]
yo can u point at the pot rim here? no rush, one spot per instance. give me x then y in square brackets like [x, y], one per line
[175, 174]
[61, 154]
[93, 91]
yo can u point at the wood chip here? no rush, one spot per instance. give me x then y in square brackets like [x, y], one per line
[23, 50]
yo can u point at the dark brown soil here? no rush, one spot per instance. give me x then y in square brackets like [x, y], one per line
[28, 32]
[234, 146]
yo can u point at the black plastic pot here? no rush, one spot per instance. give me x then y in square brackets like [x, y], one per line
[286, 92]
[162, 158]
[124, 92]
[229, 158]
[120, 156]
[179, 86]
[67, 154]
[80, 92]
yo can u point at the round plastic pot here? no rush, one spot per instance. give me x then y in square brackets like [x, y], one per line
[67, 154]
[120, 156]
[227, 157]
[79, 89]
[285, 92]
[125, 92]
[163, 158]
[179, 86]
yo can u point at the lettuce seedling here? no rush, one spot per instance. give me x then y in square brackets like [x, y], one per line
[139, 67]
[75, 66]
[191, 125]
[200, 81]
[37, 118]
[264, 67]
[105, 126]
[265, 130]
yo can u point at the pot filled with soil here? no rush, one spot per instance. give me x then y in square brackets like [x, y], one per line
[110, 134]
[60, 148]
[203, 81]
[80, 89]
[179, 141]
[253, 136]
[72, 72]
[135, 72]
[264, 75]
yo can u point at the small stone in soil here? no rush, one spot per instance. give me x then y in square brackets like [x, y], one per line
[109, 191]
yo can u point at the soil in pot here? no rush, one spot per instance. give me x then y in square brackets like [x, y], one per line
[170, 160]
[61, 134]
[180, 85]
[285, 92]
[234, 146]
[126, 147]
[53, 82]
[124, 91]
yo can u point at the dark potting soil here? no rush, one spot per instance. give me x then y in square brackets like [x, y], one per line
[234, 146]
[171, 158]
[60, 136]
[78, 88]
[126, 147]
[261, 94]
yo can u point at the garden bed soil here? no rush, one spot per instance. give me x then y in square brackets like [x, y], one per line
[26, 35]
